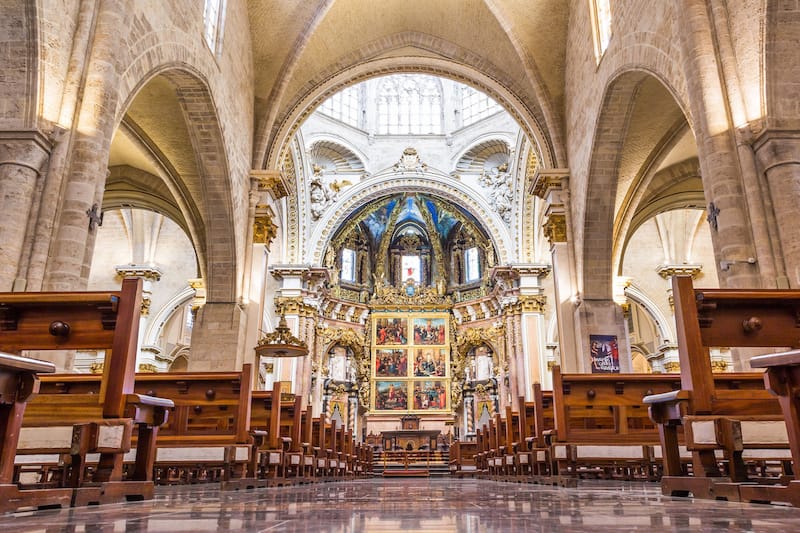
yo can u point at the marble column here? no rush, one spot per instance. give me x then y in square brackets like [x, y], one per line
[23, 156]
[532, 327]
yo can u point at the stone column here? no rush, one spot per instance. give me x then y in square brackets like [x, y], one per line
[150, 275]
[217, 336]
[289, 303]
[532, 327]
[668, 353]
[71, 252]
[722, 180]
[552, 185]
[23, 156]
[778, 154]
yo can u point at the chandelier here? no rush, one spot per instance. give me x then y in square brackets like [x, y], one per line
[281, 343]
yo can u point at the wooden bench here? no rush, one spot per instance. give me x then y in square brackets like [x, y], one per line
[206, 439]
[713, 418]
[101, 423]
[537, 421]
[782, 378]
[462, 458]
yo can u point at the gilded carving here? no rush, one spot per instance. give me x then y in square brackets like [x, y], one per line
[147, 368]
[672, 366]
[388, 297]
[555, 229]
[264, 229]
[270, 180]
[667, 271]
[719, 365]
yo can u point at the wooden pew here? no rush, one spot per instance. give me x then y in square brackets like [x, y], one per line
[782, 378]
[713, 418]
[101, 422]
[207, 437]
[537, 421]
[265, 417]
[18, 383]
[462, 458]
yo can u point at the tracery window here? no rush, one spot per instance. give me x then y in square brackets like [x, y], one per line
[476, 105]
[601, 25]
[345, 106]
[409, 105]
[472, 265]
[348, 265]
[213, 14]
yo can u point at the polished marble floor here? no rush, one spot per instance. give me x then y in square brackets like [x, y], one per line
[430, 505]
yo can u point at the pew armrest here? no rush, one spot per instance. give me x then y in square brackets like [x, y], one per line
[790, 358]
[148, 410]
[667, 406]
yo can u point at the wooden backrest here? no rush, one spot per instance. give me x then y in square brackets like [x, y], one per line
[206, 403]
[80, 321]
[731, 318]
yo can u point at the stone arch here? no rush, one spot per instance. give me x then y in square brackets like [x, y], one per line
[207, 201]
[781, 62]
[273, 137]
[598, 222]
[371, 189]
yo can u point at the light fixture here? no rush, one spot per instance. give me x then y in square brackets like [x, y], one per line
[281, 343]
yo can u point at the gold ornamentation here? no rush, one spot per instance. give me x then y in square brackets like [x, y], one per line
[388, 297]
[264, 229]
[281, 343]
[271, 181]
[269, 368]
[719, 365]
[550, 364]
[146, 272]
[555, 229]
[667, 271]
[294, 305]
[545, 179]
[96, 368]
[532, 303]
[145, 310]
[672, 367]
[147, 368]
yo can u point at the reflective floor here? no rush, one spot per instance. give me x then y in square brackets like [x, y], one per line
[430, 505]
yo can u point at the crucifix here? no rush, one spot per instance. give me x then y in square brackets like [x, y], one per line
[713, 211]
[95, 217]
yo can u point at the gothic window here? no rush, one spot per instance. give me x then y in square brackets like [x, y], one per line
[473, 271]
[411, 266]
[213, 14]
[345, 106]
[348, 265]
[409, 105]
[601, 25]
[475, 106]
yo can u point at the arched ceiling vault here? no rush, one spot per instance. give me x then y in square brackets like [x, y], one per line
[511, 50]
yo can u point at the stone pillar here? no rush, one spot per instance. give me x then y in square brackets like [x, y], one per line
[23, 155]
[553, 186]
[722, 181]
[605, 318]
[71, 252]
[150, 275]
[217, 336]
[668, 353]
[300, 318]
[532, 325]
[778, 154]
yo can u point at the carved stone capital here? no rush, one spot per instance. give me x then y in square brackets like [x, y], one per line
[270, 181]
[532, 303]
[667, 271]
[672, 366]
[264, 229]
[294, 305]
[546, 179]
[146, 272]
[555, 229]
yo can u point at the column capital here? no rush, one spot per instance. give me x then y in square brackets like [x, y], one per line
[555, 228]
[547, 179]
[667, 271]
[27, 148]
[146, 272]
[271, 181]
[264, 228]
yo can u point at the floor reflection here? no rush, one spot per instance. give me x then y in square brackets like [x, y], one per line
[414, 505]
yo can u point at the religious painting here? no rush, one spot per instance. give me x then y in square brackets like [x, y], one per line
[391, 396]
[337, 409]
[391, 331]
[430, 362]
[430, 395]
[604, 352]
[391, 363]
[430, 331]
